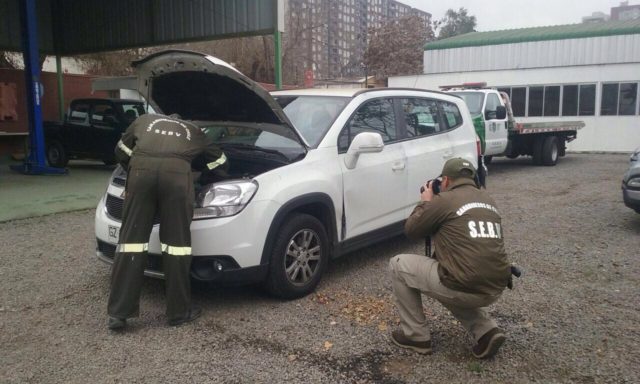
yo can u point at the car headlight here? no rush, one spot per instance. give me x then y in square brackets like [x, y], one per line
[634, 183]
[224, 199]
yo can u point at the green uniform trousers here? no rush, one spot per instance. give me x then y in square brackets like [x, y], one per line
[412, 275]
[164, 186]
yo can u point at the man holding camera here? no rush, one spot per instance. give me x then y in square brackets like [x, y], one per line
[468, 270]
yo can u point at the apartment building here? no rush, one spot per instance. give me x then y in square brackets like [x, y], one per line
[329, 37]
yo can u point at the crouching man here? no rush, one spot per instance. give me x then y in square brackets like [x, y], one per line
[468, 270]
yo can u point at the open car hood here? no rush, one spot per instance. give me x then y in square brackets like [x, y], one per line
[201, 87]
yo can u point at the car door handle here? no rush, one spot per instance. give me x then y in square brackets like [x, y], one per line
[398, 166]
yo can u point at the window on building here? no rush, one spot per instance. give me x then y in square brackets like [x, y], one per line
[552, 100]
[519, 101]
[587, 100]
[536, 98]
[505, 90]
[627, 100]
[570, 100]
[609, 102]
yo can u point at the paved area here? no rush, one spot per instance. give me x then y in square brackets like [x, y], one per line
[23, 196]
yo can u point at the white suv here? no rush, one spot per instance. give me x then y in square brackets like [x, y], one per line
[313, 174]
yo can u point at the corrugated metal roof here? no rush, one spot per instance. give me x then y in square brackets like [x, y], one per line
[69, 27]
[556, 32]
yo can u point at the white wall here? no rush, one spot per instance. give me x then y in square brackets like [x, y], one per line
[601, 133]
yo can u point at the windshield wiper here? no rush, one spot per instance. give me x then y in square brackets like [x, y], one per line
[254, 148]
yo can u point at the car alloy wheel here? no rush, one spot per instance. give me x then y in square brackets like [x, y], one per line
[302, 257]
[299, 257]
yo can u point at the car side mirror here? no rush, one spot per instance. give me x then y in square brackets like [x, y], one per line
[501, 112]
[365, 142]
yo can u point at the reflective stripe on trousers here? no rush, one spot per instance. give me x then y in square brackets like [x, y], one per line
[131, 247]
[175, 251]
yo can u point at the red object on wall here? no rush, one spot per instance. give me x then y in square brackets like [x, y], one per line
[308, 78]
[8, 102]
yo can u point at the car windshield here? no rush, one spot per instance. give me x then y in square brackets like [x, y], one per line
[312, 115]
[474, 101]
[250, 137]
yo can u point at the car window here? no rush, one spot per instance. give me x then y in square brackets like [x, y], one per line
[492, 105]
[103, 114]
[452, 115]
[373, 116]
[131, 111]
[420, 116]
[79, 113]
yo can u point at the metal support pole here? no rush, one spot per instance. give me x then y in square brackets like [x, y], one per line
[278, 58]
[34, 164]
[60, 87]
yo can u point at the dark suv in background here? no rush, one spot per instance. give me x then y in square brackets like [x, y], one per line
[91, 130]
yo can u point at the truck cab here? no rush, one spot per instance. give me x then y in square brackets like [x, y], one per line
[489, 112]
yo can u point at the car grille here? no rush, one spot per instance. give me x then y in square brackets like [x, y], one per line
[154, 262]
[115, 207]
[118, 181]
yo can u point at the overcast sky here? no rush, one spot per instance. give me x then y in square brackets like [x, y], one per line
[492, 15]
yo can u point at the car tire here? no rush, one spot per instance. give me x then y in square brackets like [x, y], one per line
[487, 159]
[550, 151]
[56, 155]
[299, 258]
[537, 150]
[512, 156]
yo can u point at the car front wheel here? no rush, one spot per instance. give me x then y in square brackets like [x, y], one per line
[299, 258]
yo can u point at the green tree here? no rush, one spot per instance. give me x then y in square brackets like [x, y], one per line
[455, 23]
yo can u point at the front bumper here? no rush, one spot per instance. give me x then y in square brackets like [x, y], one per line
[631, 198]
[227, 249]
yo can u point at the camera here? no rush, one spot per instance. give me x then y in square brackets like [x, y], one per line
[435, 186]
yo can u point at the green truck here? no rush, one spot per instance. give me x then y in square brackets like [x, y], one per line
[501, 135]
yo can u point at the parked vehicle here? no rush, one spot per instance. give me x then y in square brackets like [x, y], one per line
[313, 174]
[91, 130]
[631, 182]
[502, 135]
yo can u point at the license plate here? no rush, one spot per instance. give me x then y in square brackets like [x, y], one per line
[114, 233]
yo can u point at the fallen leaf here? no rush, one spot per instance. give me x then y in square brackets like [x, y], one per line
[382, 327]
[292, 357]
[327, 345]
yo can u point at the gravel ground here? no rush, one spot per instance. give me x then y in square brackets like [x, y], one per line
[573, 317]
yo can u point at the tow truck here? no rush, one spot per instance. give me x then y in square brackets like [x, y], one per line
[501, 135]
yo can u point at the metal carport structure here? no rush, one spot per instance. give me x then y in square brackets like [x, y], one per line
[70, 27]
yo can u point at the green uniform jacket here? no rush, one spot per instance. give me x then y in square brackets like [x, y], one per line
[466, 230]
[162, 136]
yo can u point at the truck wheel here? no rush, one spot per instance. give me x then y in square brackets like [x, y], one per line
[487, 159]
[512, 156]
[56, 155]
[300, 256]
[537, 150]
[550, 151]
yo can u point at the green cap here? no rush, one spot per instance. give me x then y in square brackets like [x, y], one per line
[453, 168]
